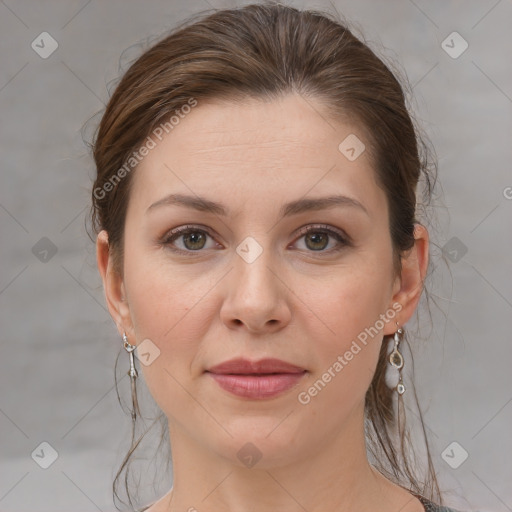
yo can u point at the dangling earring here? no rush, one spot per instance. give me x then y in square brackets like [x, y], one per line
[132, 372]
[396, 359]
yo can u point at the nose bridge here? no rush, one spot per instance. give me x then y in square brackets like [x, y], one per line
[254, 297]
[253, 263]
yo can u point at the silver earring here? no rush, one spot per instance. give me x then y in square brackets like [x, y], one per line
[132, 372]
[396, 359]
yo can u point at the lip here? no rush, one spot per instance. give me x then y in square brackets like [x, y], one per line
[257, 387]
[241, 366]
[261, 379]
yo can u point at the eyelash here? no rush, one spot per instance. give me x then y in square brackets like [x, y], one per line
[343, 240]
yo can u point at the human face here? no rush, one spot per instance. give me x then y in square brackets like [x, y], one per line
[300, 298]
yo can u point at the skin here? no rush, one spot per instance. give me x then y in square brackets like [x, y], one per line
[298, 301]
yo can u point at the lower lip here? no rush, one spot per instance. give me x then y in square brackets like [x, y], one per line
[257, 386]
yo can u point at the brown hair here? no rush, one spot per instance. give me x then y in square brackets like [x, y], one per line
[265, 51]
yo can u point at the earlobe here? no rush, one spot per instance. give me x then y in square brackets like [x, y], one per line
[113, 284]
[412, 276]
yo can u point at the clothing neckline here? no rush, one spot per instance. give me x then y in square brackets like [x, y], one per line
[428, 505]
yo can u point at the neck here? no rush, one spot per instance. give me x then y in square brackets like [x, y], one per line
[333, 475]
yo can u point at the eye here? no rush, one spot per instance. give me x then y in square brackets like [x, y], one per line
[193, 239]
[316, 238]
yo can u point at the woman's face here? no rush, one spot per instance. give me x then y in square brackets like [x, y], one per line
[246, 283]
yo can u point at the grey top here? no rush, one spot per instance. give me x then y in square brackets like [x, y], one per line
[429, 506]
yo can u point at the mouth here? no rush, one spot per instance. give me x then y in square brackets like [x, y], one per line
[262, 379]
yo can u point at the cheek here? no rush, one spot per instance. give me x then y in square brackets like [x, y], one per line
[161, 296]
[353, 314]
[352, 300]
[159, 308]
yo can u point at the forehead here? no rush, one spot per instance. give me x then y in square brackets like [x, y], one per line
[256, 148]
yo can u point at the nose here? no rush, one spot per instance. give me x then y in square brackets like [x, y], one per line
[256, 298]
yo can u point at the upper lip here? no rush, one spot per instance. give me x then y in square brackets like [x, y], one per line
[243, 366]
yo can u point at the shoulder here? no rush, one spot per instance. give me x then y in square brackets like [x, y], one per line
[430, 506]
[438, 508]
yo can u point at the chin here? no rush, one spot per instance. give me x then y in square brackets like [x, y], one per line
[261, 442]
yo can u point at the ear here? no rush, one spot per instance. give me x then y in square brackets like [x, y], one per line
[409, 284]
[113, 285]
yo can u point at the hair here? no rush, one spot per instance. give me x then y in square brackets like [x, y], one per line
[265, 51]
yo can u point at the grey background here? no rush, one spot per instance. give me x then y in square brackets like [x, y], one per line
[58, 342]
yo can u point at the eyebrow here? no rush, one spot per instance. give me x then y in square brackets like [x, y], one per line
[292, 208]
